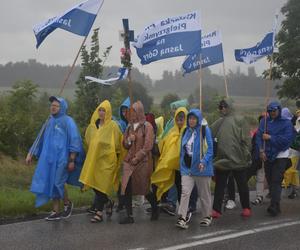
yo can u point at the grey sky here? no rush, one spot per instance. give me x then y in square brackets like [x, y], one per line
[242, 24]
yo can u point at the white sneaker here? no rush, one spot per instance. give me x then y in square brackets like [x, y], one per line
[230, 204]
[182, 223]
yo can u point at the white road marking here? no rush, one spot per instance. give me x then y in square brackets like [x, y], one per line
[231, 236]
[201, 236]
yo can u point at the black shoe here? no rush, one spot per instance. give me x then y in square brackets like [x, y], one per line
[91, 210]
[148, 210]
[53, 216]
[169, 209]
[154, 214]
[273, 210]
[126, 220]
[68, 208]
[293, 195]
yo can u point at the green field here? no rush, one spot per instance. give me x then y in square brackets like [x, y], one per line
[15, 199]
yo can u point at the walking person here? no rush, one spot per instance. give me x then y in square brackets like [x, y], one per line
[196, 168]
[232, 157]
[274, 138]
[137, 165]
[101, 167]
[60, 155]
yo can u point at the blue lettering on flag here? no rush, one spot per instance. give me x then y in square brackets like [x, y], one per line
[251, 55]
[211, 53]
[170, 37]
[77, 20]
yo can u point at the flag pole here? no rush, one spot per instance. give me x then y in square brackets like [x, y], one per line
[200, 104]
[72, 67]
[225, 80]
[268, 93]
[126, 60]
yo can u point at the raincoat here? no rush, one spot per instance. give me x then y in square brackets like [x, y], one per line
[122, 122]
[233, 143]
[60, 138]
[281, 131]
[100, 169]
[207, 148]
[169, 160]
[160, 127]
[139, 150]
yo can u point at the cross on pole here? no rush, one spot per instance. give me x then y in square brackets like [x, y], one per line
[128, 36]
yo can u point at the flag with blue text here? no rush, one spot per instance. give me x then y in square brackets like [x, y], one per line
[77, 20]
[211, 53]
[261, 49]
[264, 48]
[169, 37]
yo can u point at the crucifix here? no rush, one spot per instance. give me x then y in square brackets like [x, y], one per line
[128, 36]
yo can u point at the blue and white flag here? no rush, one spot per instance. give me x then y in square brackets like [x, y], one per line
[261, 49]
[78, 20]
[122, 74]
[211, 53]
[170, 37]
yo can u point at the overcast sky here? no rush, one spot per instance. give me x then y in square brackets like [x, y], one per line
[242, 24]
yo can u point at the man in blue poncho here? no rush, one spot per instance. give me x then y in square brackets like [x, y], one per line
[59, 150]
[273, 139]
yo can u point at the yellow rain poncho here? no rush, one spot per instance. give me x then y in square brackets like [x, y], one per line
[100, 169]
[169, 160]
[160, 127]
[291, 175]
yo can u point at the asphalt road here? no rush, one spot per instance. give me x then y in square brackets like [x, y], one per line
[231, 231]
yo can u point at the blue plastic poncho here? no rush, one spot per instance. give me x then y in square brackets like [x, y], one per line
[122, 122]
[59, 139]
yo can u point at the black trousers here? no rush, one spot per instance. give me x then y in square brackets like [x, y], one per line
[100, 200]
[240, 176]
[274, 172]
[126, 199]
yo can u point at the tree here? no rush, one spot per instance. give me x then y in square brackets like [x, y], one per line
[287, 60]
[21, 117]
[167, 99]
[89, 95]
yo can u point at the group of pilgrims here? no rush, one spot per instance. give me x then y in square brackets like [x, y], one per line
[168, 165]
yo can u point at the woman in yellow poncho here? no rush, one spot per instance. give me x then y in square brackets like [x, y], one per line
[103, 139]
[164, 175]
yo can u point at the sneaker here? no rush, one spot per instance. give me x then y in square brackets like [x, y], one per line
[67, 210]
[246, 212]
[53, 216]
[188, 216]
[258, 201]
[169, 209]
[182, 223]
[206, 222]
[230, 204]
[215, 214]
